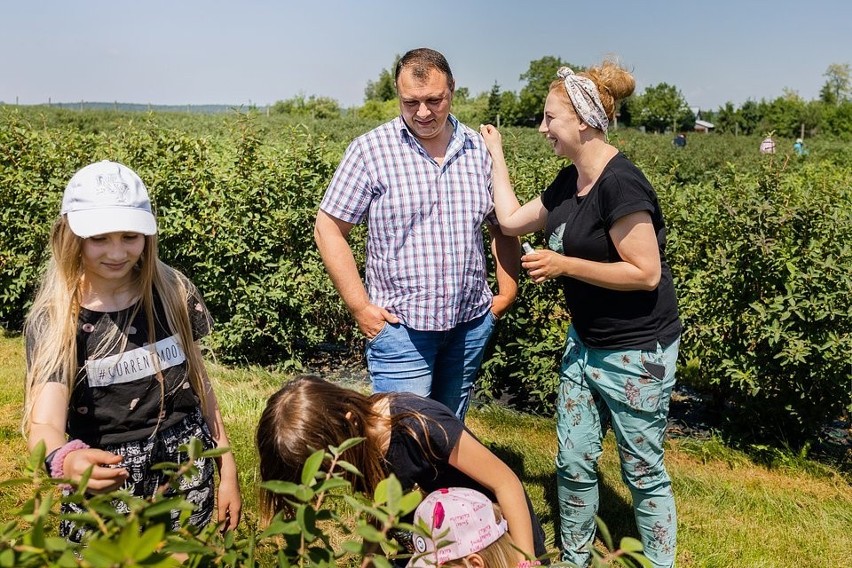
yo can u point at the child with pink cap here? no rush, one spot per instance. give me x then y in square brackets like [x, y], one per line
[458, 526]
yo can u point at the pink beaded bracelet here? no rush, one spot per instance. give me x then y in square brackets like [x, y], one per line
[57, 464]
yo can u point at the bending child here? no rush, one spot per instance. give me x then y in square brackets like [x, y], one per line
[417, 439]
[115, 380]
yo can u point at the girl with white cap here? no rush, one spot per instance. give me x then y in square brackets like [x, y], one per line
[115, 380]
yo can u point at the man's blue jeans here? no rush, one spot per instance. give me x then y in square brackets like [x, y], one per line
[441, 365]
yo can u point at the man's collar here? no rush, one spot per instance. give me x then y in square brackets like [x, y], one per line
[406, 133]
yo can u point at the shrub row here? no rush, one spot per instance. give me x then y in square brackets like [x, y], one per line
[760, 248]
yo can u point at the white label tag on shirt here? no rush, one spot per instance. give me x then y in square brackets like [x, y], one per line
[134, 365]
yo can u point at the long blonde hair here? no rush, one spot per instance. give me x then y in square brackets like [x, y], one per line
[51, 324]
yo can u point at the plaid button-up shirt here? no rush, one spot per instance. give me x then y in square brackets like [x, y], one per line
[425, 257]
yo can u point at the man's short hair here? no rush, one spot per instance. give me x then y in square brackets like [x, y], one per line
[423, 60]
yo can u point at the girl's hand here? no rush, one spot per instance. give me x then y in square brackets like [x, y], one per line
[106, 476]
[543, 264]
[229, 504]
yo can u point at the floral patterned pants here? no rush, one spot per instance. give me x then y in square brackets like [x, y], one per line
[629, 390]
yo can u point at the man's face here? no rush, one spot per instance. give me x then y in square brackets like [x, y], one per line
[424, 105]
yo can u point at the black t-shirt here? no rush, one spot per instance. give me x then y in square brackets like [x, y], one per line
[116, 396]
[579, 227]
[419, 451]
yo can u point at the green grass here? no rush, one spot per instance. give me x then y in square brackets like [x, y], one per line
[732, 511]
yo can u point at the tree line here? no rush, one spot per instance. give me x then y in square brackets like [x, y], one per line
[659, 108]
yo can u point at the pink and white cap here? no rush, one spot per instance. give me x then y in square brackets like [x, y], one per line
[459, 521]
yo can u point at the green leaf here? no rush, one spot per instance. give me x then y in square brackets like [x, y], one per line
[129, 537]
[389, 491]
[311, 467]
[331, 483]
[193, 448]
[281, 487]
[640, 559]
[36, 461]
[345, 465]
[409, 502]
[149, 542]
[603, 533]
[166, 506]
[630, 544]
[369, 533]
[306, 518]
[103, 553]
[351, 442]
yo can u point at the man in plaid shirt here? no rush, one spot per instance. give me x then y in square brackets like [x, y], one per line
[423, 182]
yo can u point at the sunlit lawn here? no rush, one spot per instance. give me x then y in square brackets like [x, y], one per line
[732, 513]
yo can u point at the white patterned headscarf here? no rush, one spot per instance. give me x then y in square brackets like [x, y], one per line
[584, 95]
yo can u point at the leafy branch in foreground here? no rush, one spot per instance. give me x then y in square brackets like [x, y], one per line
[328, 524]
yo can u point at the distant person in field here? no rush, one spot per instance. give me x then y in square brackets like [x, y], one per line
[423, 183]
[799, 147]
[606, 246]
[115, 380]
[767, 145]
[679, 141]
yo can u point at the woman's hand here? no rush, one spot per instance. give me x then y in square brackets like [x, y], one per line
[493, 139]
[106, 475]
[543, 264]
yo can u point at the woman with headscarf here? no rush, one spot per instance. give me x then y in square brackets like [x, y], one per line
[606, 245]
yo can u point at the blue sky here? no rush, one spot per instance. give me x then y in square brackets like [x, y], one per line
[257, 52]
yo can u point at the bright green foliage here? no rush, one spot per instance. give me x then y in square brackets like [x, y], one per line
[141, 538]
[380, 111]
[494, 103]
[838, 85]
[328, 524]
[759, 247]
[138, 538]
[762, 260]
[313, 107]
[384, 88]
[540, 74]
[660, 108]
[235, 214]
[838, 120]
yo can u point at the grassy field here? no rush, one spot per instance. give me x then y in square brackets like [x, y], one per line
[732, 512]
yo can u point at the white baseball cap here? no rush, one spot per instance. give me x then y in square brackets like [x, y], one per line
[460, 521]
[107, 197]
